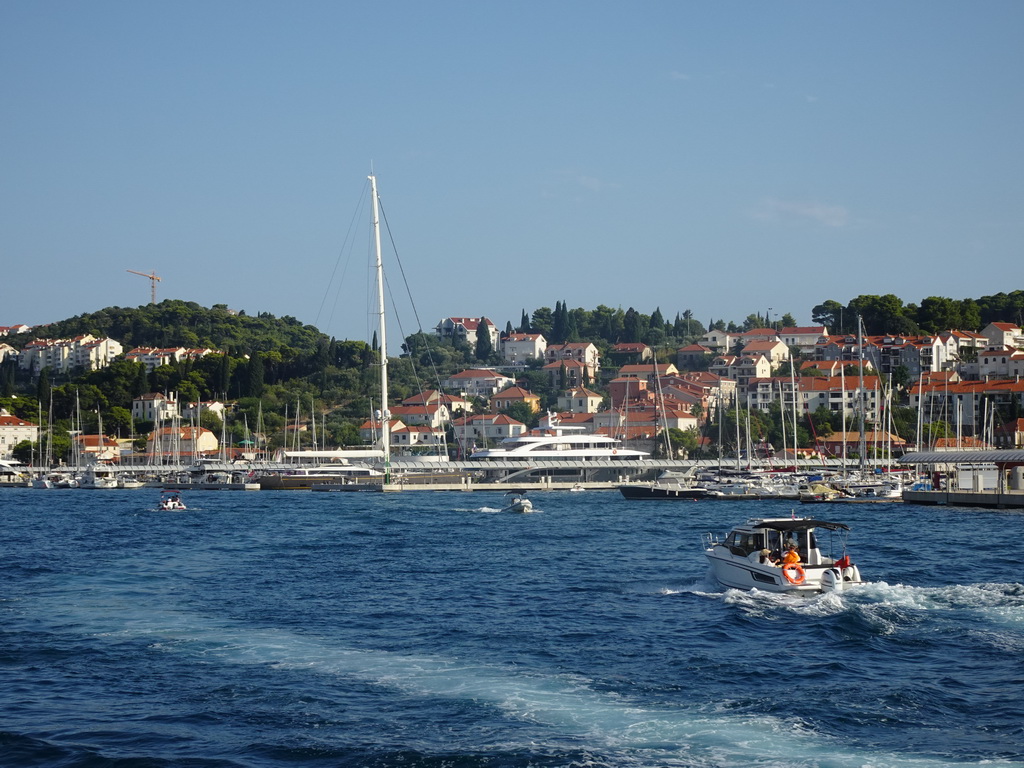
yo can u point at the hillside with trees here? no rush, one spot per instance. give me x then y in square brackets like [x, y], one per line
[271, 368]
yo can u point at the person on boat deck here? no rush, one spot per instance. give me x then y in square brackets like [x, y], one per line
[792, 556]
[766, 558]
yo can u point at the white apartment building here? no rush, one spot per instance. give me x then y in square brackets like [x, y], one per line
[63, 355]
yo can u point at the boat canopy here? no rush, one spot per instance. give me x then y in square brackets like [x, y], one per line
[798, 525]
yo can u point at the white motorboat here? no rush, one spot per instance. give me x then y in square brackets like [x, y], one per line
[750, 556]
[42, 481]
[98, 477]
[170, 501]
[516, 501]
[129, 481]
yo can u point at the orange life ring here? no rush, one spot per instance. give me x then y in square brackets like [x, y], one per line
[798, 578]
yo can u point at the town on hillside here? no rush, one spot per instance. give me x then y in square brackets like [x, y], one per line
[777, 392]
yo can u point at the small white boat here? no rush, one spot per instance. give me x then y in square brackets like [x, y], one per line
[517, 502]
[129, 481]
[170, 501]
[751, 556]
[98, 476]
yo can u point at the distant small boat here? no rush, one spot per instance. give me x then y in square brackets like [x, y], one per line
[517, 502]
[129, 481]
[170, 501]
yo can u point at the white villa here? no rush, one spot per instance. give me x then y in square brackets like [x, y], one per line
[803, 338]
[776, 352]
[154, 407]
[479, 382]
[580, 400]
[466, 329]
[583, 352]
[519, 347]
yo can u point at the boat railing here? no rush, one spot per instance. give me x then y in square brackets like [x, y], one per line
[708, 540]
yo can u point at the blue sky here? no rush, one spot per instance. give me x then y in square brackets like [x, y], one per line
[722, 157]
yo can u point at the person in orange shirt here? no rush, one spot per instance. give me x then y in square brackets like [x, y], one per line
[792, 556]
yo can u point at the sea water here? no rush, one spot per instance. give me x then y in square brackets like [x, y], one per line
[431, 629]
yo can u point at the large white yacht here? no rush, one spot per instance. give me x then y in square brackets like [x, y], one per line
[568, 443]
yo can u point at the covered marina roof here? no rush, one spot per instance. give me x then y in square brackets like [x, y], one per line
[963, 457]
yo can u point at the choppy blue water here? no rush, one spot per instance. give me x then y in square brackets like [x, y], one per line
[428, 629]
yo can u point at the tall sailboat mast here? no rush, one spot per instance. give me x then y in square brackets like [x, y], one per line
[861, 397]
[385, 415]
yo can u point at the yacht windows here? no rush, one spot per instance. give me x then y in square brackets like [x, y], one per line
[744, 542]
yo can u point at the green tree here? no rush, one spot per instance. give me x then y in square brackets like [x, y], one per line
[484, 347]
[558, 324]
[900, 378]
[632, 326]
[211, 421]
[43, 385]
[25, 452]
[658, 320]
[117, 421]
[830, 313]
[970, 315]
[254, 380]
[937, 314]
[882, 314]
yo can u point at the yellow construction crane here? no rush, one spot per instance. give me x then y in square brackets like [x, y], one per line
[153, 279]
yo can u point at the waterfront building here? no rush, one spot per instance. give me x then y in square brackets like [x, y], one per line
[14, 430]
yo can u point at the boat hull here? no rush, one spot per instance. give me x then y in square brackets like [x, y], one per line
[740, 573]
[661, 493]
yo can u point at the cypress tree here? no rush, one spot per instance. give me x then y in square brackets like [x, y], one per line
[558, 325]
[484, 347]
